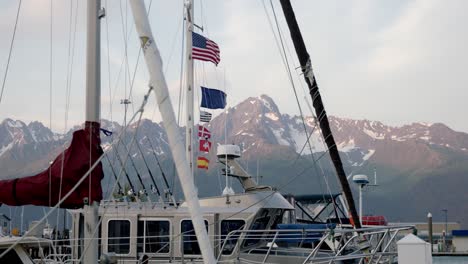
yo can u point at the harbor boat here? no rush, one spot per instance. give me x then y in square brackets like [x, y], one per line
[256, 225]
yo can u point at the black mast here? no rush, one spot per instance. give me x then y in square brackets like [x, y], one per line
[306, 66]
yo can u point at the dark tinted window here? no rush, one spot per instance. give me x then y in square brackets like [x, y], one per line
[261, 223]
[10, 257]
[227, 226]
[119, 236]
[189, 238]
[153, 236]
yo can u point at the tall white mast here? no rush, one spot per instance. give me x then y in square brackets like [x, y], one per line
[189, 82]
[93, 109]
[177, 146]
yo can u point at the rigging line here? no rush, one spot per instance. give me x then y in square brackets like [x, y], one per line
[108, 65]
[122, 165]
[77, 184]
[149, 171]
[113, 172]
[181, 90]
[137, 63]
[71, 52]
[134, 166]
[50, 65]
[288, 69]
[159, 165]
[140, 111]
[10, 51]
[314, 118]
[295, 93]
[125, 60]
[50, 89]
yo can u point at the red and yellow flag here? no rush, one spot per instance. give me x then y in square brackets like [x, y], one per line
[202, 163]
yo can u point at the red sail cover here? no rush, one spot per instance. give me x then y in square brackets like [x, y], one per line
[83, 151]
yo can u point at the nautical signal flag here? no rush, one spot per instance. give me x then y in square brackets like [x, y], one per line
[212, 98]
[204, 49]
[205, 116]
[205, 145]
[202, 163]
[203, 132]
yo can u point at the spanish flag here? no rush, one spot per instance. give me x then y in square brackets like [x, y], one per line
[202, 163]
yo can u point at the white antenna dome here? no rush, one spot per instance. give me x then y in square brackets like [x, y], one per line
[361, 179]
[231, 151]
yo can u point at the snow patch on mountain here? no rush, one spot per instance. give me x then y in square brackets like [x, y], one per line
[272, 116]
[374, 134]
[4, 149]
[13, 123]
[369, 154]
[300, 139]
[278, 133]
[347, 146]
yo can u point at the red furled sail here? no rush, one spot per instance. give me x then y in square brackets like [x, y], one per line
[83, 152]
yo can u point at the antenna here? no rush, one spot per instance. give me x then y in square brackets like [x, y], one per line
[362, 180]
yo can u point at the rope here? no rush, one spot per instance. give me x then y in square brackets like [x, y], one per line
[11, 50]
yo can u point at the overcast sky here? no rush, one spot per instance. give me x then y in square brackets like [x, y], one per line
[393, 61]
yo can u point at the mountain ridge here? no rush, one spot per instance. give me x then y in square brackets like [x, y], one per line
[407, 158]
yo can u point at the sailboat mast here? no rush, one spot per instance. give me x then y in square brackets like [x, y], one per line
[93, 62]
[306, 66]
[93, 109]
[189, 82]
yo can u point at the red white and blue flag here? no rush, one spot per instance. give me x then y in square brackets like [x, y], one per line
[204, 49]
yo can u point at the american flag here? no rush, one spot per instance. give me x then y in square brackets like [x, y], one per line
[204, 49]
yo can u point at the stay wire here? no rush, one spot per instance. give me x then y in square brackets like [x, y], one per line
[108, 65]
[288, 69]
[181, 98]
[51, 64]
[10, 52]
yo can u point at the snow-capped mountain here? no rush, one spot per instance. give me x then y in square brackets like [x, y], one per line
[413, 161]
[261, 129]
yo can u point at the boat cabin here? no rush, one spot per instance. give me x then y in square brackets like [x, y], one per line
[131, 231]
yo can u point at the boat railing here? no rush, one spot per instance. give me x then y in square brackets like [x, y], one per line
[372, 244]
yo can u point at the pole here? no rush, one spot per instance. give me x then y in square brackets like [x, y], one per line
[429, 226]
[360, 202]
[446, 230]
[93, 109]
[176, 143]
[189, 81]
[306, 66]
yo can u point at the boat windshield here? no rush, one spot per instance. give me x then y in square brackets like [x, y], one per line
[266, 219]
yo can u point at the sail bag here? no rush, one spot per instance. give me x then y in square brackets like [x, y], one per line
[44, 189]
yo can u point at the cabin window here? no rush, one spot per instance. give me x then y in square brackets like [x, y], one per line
[261, 223]
[153, 236]
[10, 257]
[189, 238]
[227, 226]
[118, 236]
